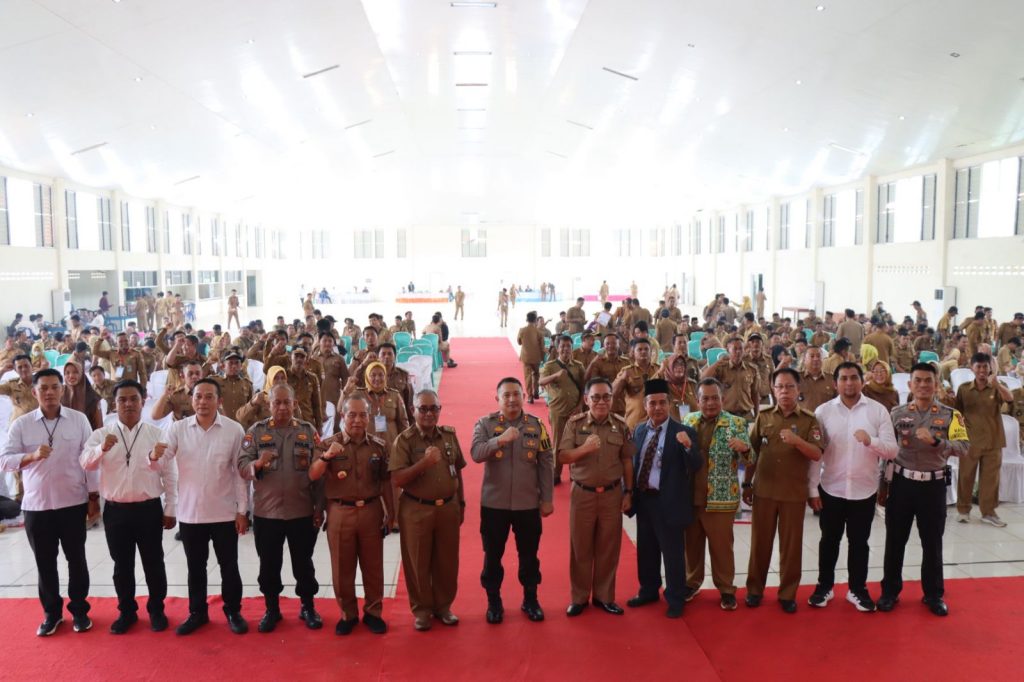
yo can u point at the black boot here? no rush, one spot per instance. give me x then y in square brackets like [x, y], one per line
[531, 607]
[309, 616]
[495, 609]
[271, 616]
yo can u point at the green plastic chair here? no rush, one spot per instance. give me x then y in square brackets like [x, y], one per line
[62, 360]
[808, 333]
[714, 354]
[928, 356]
[401, 339]
[51, 357]
[434, 341]
[693, 349]
[697, 336]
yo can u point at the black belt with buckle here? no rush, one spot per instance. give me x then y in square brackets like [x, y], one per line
[439, 502]
[598, 489]
[356, 503]
[112, 503]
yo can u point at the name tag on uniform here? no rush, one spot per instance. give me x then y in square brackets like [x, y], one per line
[451, 470]
[118, 372]
[380, 423]
[683, 410]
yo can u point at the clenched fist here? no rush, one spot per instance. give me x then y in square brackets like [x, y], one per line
[788, 437]
[158, 452]
[109, 442]
[510, 435]
[684, 439]
[432, 455]
[41, 453]
[924, 435]
[333, 451]
[592, 443]
[862, 437]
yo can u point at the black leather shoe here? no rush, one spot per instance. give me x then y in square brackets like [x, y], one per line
[886, 603]
[237, 623]
[81, 623]
[192, 623]
[575, 610]
[936, 606]
[753, 600]
[344, 627]
[376, 625]
[674, 611]
[609, 607]
[123, 623]
[269, 621]
[533, 610]
[788, 605]
[309, 616]
[495, 611]
[49, 626]
[640, 600]
[158, 621]
[689, 594]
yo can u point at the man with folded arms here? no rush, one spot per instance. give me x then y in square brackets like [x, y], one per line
[857, 432]
[133, 476]
[212, 503]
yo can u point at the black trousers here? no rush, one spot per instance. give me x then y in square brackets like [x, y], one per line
[494, 528]
[196, 539]
[855, 516]
[130, 525]
[924, 502]
[270, 535]
[46, 530]
[658, 541]
[9, 508]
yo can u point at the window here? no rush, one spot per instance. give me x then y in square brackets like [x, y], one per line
[126, 221]
[858, 217]
[965, 203]
[808, 224]
[695, 236]
[44, 214]
[318, 244]
[258, 244]
[5, 225]
[363, 244]
[186, 234]
[748, 231]
[232, 280]
[622, 238]
[178, 277]
[197, 241]
[656, 243]
[215, 236]
[209, 284]
[928, 208]
[720, 242]
[828, 221]
[401, 237]
[545, 242]
[886, 212]
[137, 283]
[474, 243]
[999, 198]
[281, 252]
[784, 226]
[71, 212]
[151, 242]
[104, 219]
[677, 247]
[575, 243]
[908, 204]
[167, 232]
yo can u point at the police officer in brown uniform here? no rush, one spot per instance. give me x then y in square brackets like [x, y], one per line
[517, 492]
[235, 387]
[276, 456]
[562, 378]
[629, 382]
[359, 503]
[599, 450]
[179, 401]
[608, 365]
[785, 439]
[740, 379]
[531, 354]
[334, 367]
[128, 364]
[816, 387]
[426, 463]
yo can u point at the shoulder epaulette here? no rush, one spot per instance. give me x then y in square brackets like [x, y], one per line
[804, 410]
[618, 417]
[577, 417]
[407, 434]
[448, 429]
[494, 415]
[374, 439]
[262, 422]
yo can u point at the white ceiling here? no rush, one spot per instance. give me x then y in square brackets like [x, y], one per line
[734, 100]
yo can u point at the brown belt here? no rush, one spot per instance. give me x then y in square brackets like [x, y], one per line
[600, 488]
[439, 502]
[356, 503]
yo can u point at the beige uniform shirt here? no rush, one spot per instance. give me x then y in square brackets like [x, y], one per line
[439, 482]
[606, 466]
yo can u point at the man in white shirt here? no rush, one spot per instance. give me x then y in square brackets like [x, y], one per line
[133, 476]
[212, 502]
[858, 433]
[44, 445]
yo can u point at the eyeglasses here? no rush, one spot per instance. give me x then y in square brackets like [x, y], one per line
[601, 398]
[427, 409]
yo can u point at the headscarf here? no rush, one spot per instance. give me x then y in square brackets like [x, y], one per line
[83, 397]
[373, 365]
[269, 382]
[868, 356]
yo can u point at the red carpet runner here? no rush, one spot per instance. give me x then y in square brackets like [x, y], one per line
[980, 638]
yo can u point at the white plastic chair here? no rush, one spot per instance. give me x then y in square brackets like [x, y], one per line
[256, 374]
[960, 376]
[901, 382]
[328, 428]
[1012, 383]
[8, 375]
[1011, 474]
[103, 408]
[156, 384]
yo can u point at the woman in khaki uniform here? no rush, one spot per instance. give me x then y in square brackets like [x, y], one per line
[388, 417]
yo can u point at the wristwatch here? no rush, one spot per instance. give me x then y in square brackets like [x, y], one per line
[627, 491]
[746, 484]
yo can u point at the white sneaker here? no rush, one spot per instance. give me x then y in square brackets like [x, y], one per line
[963, 518]
[863, 602]
[993, 520]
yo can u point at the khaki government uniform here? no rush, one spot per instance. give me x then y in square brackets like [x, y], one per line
[815, 391]
[307, 394]
[883, 344]
[563, 397]
[132, 365]
[609, 368]
[430, 515]
[764, 368]
[595, 505]
[142, 313]
[576, 319]
[741, 385]
[335, 375]
[531, 354]
[179, 401]
[982, 410]
[353, 485]
[235, 392]
[780, 494]
[633, 392]
[460, 303]
[21, 397]
[584, 357]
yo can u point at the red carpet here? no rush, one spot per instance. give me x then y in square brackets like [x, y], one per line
[981, 636]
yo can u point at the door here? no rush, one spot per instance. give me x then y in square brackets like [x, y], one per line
[250, 290]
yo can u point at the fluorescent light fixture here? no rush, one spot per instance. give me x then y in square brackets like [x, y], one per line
[820, 8]
[471, 85]
[138, 79]
[471, 53]
[472, 128]
[561, 156]
[577, 123]
[619, 73]
[182, 182]
[390, 151]
[799, 82]
[954, 55]
[850, 150]
[902, 117]
[485, 5]
[463, 111]
[317, 73]
[88, 149]
[356, 125]
[30, 115]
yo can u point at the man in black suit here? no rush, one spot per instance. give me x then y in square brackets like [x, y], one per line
[666, 458]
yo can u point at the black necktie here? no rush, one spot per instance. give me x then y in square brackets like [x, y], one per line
[648, 461]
